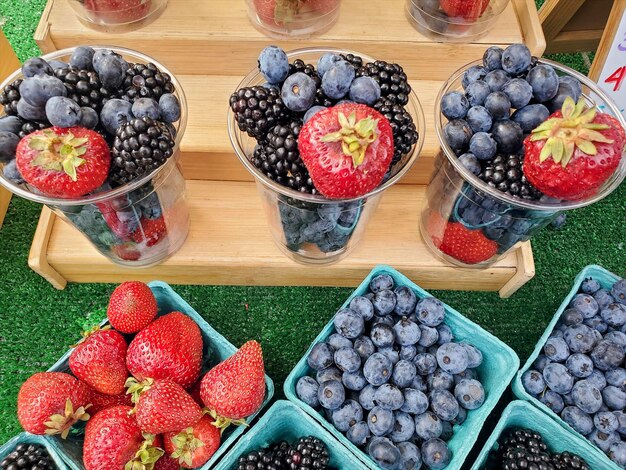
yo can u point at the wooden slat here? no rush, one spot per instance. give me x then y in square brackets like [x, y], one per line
[229, 243]
[555, 14]
[612, 26]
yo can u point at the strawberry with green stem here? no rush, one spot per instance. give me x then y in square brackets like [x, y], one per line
[195, 445]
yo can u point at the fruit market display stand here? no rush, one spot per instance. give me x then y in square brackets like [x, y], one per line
[210, 46]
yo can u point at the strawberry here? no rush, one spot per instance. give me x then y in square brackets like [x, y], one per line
[65, 163]
[132, 307]
[194, 391]
[277, 12]
[571, 154]
[347, 150]
[469, 10]
[194, 446]
[118, 11]
[112, 439]
[163, 406]
[100, 401]
[151, 231]
[235, 388]
[51, 403]
[149, 453]
[126, 251]
[459, 242]
[168, 348]
[166, 463]
[99, 360]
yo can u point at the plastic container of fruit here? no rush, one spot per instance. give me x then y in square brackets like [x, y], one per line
[519, 414]
[116, 13]
[497, 220]
[453, 20]
[216, 349]
[97, 215]
[284, 421]
[606, 280]
[27, 438]
[289, 18]
[282, 203]
[495, 372]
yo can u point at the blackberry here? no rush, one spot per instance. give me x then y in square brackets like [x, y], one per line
[28, 457]
[298, 65]
[31, 126]
[10, 96]
[308, 453]
[505, 174]
[272, 458]
[354, 60]
[141, 146]
[394, 85]
[258, 109]
[405, 134]
[521, 449]
[84, 87]
[146, 81]
[568, 461]
[278, 158]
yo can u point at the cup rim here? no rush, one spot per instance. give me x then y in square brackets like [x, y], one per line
[454, 20]
[620, 171]
[112, 193]
[234, 135]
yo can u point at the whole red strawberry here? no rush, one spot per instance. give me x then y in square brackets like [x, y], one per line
[117, 11]
[469, 10]
[51, 403]
[99, 360]
[195, 445]
[112, 439]
[149, 453]
[570, 155]
[235, 388]
[169, 348]
[347, 150]
[100, 401]
[132, 307]
[163, 406]
[64, 163]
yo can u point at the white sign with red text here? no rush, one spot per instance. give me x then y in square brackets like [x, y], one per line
[613, 76]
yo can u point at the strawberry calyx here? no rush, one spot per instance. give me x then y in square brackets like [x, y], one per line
[146, 456]
[136, 388]
[86, 334]
[575, 129]
[355, 136]
[185, 444]
[58, 152]
[221, 422]
[62, 423]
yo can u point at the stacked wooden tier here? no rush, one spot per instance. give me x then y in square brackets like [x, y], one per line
[210, 46]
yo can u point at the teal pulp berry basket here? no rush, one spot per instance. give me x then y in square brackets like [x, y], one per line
[498, 368]
[284, 421]
[606, 280]
[216, 349]
[27, 438]
[520, 414]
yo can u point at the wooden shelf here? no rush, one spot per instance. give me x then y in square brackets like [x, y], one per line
[229, 243]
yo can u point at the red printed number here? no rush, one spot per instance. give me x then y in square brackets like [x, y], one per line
[617, 77]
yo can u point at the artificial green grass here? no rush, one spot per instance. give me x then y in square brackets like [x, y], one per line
[38, 323]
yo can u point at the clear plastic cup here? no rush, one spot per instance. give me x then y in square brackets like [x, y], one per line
[476, 18]
[299, 222]
[293, 17]
[138, 224]
[117, 12]
[460, 206]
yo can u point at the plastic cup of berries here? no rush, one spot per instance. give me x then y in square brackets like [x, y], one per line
[94, 134]
[289, 137]
[286, 18]
[503, 174]
[454, 20]
[117, 13]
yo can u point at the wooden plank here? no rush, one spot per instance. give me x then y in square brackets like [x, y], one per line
[221, 250]
[530, 26]
[525, 271]
[575, 41]
[612, 25]
[555, 14]
[37, 257]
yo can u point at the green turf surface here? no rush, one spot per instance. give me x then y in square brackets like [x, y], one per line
[37, 322]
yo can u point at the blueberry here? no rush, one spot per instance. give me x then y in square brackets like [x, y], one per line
[313, 110]
[406, 332]
[618, 337]
[603, 298]
[452, 358]
[420, 383]
[381, 282]
[429, 336]
[82, 58]
[454, 105]
[403, 373]
[603, 440]
[377, 369]
[558, 378]
[474, 356]
[516, 59]
[11, 172]
[327, 61]
[586, 396]
[63, 112]
[337, 80]
[477, 92]
[564, 91]
[435, 454]
[544, 82]
[445, 333]
[469, 161]
[618, 291]
[492, 58]
[169, 107]
[479, 119]
[336, 341]
[571, 317]
[403, 428]
[37, 90]
[607, 355]
[605, 421]
[483, 146]
[347, 360]
[391, 352]
[57, 64]
[358, 433]
[111, 71]
[349, 323]
[406, 300]
[579, 365]
[331, 394]
[559, 221]
[385, 454]
[306, 389]
[408, 353]
[457, 134]
[382, 335]
[585, 304]
[8, 145]
[115, 112]
[415, 401]
[597, 379]
[496, 79]
[470, 394]
[614, 398]
[466, 374]
[430, 312]
[518, 91]
[425, 363]
[614, 315]
[354, 380]
[427, 425]
[389, 397]
[580, 421]
[508, 135]
[440, 380]
[320, 357]
[388, 320]
[475, 72]
[364, 90]
[444, 404]
[11, 124]
[380, 421]
[410, 456]
[621, 419]
[364, 346]
[553, 401]
[498, 105]
[384, 302]
[617, 453]
[298, 92]
[146, 107]
[556, 349]
[347, 415]
[579, 338]
[88, 118]
[366, 396]
[36, 66]
[274, 64]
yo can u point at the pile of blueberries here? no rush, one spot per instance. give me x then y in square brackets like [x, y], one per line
[392, 379]
[580, 375]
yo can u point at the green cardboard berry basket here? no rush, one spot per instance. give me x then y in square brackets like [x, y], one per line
[520, 414]
[27, 438]
[284, 421]
[498, 368]
[216, 349]
[606, 280]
